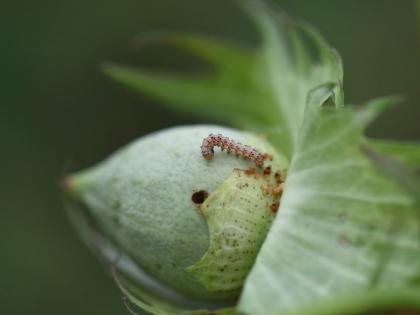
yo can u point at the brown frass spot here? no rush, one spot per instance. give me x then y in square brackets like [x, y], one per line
[265, 189]
[267, 170]
[275, 207]
[250, 171]
[278, 190]
[278, 177]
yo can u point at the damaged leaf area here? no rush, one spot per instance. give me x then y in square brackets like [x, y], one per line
[239, 214]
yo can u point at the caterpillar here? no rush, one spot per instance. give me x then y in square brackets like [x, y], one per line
[247, 152]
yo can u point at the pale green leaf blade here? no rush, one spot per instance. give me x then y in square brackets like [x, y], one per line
[406, 152]
[408, 178]
[207, 95]
[344, 226]
[263, 90]
[295, 59]
[229, 92]
[400, 160]
[212, 50]
[360, 303]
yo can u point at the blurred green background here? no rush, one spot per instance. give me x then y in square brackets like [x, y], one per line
[59, 113]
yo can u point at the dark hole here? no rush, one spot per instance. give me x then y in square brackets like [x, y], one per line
[198, 197]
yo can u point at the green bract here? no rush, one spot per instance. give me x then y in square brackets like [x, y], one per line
[143, 199]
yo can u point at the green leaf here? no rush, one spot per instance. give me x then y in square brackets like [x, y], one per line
[228, 93]
[399, 159]
[263, 90]
[376, 302]
[345, 230]
[406, 152]
[295, 59]
[407, 178]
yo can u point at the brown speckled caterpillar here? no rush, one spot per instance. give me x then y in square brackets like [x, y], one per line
[207, 149]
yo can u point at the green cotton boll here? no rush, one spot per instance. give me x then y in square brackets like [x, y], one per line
[146, 199]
